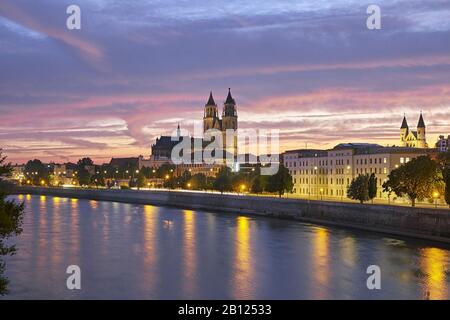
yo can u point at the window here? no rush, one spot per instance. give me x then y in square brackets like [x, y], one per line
[385, 170]
[384, 160]
[402, 160]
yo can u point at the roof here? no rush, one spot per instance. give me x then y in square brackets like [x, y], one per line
[124, 161]
[421, 123]
[352, 145]
[230, 99]
[404, 123]
[211, 101]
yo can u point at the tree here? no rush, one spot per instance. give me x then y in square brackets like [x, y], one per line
[446, 177]
[140, 181]
[280, 182]
[223, 180]
[359, 188]
[11, 215]
[198, 181]
[257, 186]
[417, 179]
[83, 176]
[372, 188]
[85, 162]
[36, 172]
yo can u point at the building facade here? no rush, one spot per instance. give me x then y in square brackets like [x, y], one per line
[443, 144]
[411, 138]
[328, 173]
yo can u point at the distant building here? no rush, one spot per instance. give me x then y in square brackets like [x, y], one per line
[443, 144]
[328, 173]
[413, 139]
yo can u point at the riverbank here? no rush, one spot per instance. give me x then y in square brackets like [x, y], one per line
[423, 223]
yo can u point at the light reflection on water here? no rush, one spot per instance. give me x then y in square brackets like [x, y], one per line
[133, 251]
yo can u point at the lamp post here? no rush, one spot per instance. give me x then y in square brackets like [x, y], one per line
[436, 196]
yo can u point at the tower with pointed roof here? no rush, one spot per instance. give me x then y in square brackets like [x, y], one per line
[421, 139]
[411, 138]
[211, 116]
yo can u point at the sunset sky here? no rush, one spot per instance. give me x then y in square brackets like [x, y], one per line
[137, 68]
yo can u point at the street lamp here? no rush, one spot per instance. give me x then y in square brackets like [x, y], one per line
[243, 188]
[436, 196]
[189, 185]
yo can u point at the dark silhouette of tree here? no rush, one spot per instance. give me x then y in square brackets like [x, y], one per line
[257, 185]
[140, 180]
[280, 182]
[85, 162]
[11, 214]
[83, 176]
[36, 172]
[417, 179]
[372, 188]
[223, 180]
[198, 181]
[359, 188]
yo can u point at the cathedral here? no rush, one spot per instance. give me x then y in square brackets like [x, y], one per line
[211, 119]
[411, 138]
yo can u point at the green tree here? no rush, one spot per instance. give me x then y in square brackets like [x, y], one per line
[257, 185]
[11, 215]
[140, 180]
[222, 182]
[417, 179]
[36, 172]
[83, 176]
[280, 182]
[359, 188]
[97, 180]
[85, 162]
[198, 181]
[446, 177]
[372, 186]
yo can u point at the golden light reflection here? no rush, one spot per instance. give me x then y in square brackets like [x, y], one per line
[348, 251]
[56, 202]
[320, 261]
[434, 263]
[189, 253]
[93, 204]
[74, 226]
[28, 197]
[20, 197]
[243, 287]
[150, 251]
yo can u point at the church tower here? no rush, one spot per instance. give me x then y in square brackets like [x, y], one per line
[210, 116]
[421, 139]
[403, 132]
[230, 121]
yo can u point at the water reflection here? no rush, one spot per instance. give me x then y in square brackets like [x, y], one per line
[243, 274]
[189, 253]
[433, 264]
[320, 259]
[145, 252]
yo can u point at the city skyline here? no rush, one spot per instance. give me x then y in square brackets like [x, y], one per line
[313, 71]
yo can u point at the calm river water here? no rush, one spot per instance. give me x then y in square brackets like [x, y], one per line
[128, 251]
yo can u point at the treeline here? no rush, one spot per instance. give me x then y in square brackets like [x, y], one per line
[420, 179]
[38, 173]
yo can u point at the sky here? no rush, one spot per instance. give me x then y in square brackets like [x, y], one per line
[311, 69]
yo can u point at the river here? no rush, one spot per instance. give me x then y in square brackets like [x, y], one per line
[128, 251]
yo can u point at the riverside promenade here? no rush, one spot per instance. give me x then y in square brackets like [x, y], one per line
[422, 223]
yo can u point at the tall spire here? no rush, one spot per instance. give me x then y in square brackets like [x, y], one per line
[421, 123]
[211, 101]
[230, 99]
[178, 130]
[404, 123]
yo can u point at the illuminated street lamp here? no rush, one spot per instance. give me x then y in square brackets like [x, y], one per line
[189, 185]
[42, 182]
[436, 196]
[243, 187]
[167, 177]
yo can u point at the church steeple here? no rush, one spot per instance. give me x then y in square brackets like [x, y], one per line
[404, 123]
[421, 123]
[211, 101]
[230, 99]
